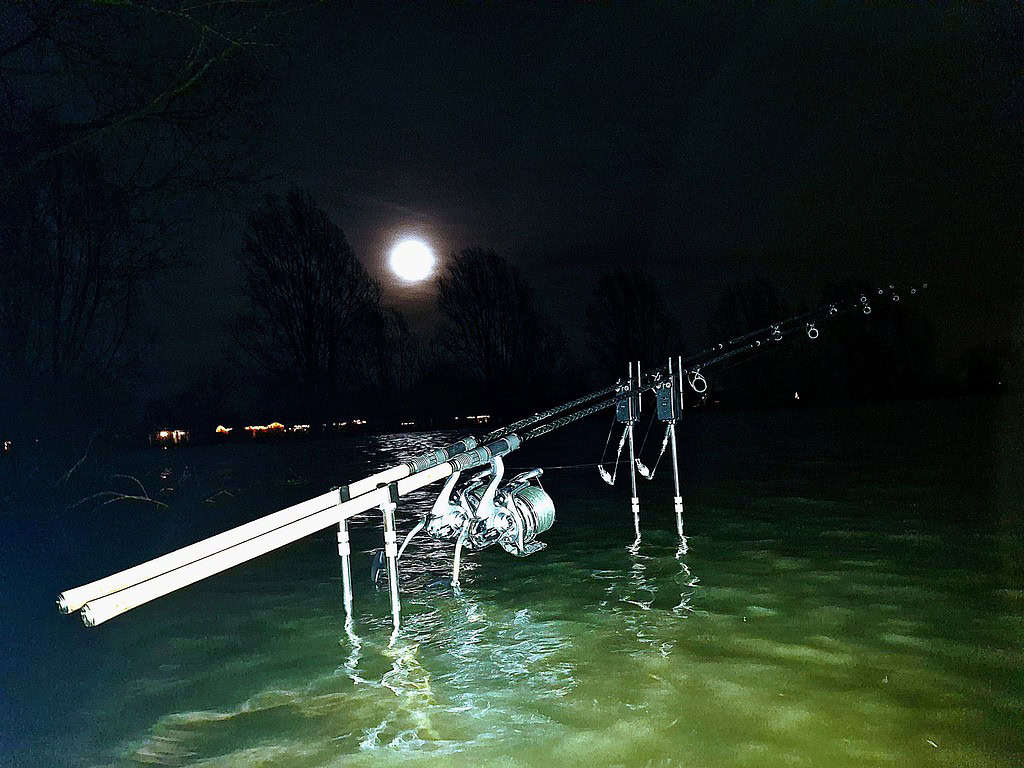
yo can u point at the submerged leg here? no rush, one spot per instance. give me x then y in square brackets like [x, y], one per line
[677, 500]
[634, 502]
[391, 553]
[345, 550]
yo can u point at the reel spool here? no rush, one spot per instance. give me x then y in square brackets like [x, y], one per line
[512, 515]
[522, 510]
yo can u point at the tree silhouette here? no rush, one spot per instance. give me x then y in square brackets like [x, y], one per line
[493, 332]
[74, 260]
[313, 304]
[158, 83]
[113, 118]
[744, 306]
[628, 319]
[390, 367]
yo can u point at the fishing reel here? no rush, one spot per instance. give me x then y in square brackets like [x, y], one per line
[521, 510]
[484, 512]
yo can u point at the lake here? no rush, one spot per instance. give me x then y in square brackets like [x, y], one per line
[850, 593]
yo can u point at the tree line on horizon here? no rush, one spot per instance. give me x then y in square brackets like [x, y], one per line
[317, 343]
[99, 199]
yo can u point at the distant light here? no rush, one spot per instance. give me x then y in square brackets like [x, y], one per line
[222, 430]
[274, 425]
[412, 260]
[170, 436]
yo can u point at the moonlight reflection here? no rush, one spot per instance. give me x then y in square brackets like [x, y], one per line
[412, 260]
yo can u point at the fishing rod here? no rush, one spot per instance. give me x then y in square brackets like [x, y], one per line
[776, 332]
[483, 512]
[74, 599]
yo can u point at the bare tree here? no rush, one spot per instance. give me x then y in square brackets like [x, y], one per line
[112, 115]
[493, 331]
[74, 260]
[164, 76]
[746, 305]
[392, 362]
[628, 319]
[313, 304]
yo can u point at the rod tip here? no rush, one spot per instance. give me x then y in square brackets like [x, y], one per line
[62, 604]
[87, 617]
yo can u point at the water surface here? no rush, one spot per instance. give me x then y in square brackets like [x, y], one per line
[849, 594]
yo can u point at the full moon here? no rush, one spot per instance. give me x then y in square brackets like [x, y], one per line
[412, 260]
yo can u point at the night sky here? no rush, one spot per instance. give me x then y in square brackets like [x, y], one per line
[802, 144]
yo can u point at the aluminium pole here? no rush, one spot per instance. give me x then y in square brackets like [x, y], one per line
[345, 550]
[391, 551]
[634, 408]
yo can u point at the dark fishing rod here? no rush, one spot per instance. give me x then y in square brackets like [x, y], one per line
[540, 416]
[475, 514]
[755, 341]
[807, 321]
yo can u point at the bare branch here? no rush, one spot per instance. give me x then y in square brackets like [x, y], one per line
[74, 467]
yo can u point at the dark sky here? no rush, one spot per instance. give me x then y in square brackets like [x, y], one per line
[710, 143]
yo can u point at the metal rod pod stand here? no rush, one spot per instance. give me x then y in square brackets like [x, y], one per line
[391, 552]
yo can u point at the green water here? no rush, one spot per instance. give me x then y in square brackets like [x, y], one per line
[838, 601]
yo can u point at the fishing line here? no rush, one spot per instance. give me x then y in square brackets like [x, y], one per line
[564, 466]
[648, 432]
[540, 416]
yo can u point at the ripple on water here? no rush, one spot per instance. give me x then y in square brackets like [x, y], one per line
[848, 656]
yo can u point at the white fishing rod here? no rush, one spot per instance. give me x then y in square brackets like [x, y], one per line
[73, 599]
[107, 597]
[324, 511]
